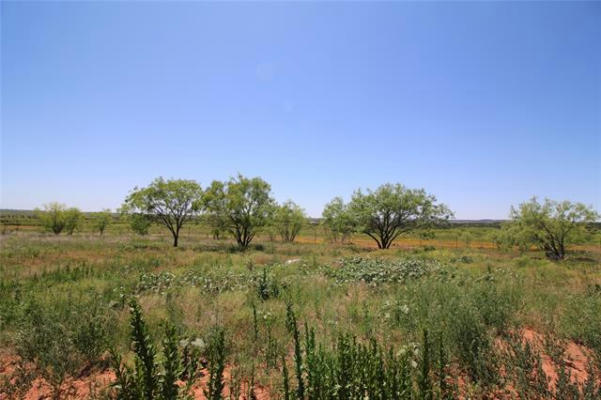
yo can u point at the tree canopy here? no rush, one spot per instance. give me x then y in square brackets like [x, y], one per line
[102, 219]
[242, 205]
[550, 225]
[52, 217]
[139, 223]
[337, 219]
[393, 209]
[72, 220]
[169, 202]
[288, 220]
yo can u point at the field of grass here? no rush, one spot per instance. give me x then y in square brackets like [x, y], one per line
[439, 318]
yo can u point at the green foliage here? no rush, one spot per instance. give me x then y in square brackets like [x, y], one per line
[172, 368]
[73, 219]
[102, 219]
[170, 202]
[145, 362]
[471, 311]
[474, 345]
[582, 320]
[217, 224]
[217, 360]
[212, 281]
[288, 220]
[152, 378]
[140, 223]
[466, 238]
[391, 210]
[338, 220]
[565, 388]
[52, 217]
[506, 239]
[61, 340]
[359, 320]
[424, 382]
[524, 365]
[550, 226]
[356, 371]
[285, 381]
[292, 326]
[446, 391]
[591, 389]
[267, 286]
[242, 205]
[377, 271]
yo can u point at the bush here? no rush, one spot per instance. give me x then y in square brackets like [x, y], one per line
[53, 217]
[376, 271]
[62, 339]
[357, 370]
[153, 377]
[581, 320]
[216, 364]
[140, 223]
[267, 286]
[470, 310]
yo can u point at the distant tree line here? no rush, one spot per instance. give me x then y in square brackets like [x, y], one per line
[56, 218]
[242, 207]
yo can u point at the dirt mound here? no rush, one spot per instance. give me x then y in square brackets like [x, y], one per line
[575, 357]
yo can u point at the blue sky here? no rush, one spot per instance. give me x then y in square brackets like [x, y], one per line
[482, 104]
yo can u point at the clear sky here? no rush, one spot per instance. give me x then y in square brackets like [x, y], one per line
[482, 104]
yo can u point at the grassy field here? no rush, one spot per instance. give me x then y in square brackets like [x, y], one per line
[439, 318]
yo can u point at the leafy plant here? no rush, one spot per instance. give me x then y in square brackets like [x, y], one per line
[152, 378]
[52, 217]
[267, 286]
[216, 364]
[550, 226]
[377, 271]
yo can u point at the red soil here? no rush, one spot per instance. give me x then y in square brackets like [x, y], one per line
[575, 358]
[93, 382]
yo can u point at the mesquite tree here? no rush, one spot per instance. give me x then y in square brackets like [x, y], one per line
[53, 217]
[170, 202]
[102, 219]
[139, 223]
[242, 205]
[391, 210]
[550, 226]
[73, 219]
[288, 220]
[338, 220]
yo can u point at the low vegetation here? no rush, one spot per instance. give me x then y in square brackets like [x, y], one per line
[439, 313]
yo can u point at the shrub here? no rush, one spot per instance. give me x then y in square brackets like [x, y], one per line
[582, 320]
[53, 217]
[524, 364]
[267, 286]
[377, 271]
[356, 370]
[217, 354]
[150, 378]
[60, 340]
[139, 223]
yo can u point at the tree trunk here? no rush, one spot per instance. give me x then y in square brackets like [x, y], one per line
[175, 238]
